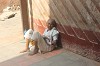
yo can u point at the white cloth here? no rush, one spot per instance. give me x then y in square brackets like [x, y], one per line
[43, 45]
[28, 34]
[51, 34]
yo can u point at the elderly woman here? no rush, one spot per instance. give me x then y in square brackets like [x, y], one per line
[44, 43]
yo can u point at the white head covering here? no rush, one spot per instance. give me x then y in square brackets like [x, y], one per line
[28, 34]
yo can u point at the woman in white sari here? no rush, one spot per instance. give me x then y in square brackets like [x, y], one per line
[44, 43]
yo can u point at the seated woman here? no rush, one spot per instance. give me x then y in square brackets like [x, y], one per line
[44, 43]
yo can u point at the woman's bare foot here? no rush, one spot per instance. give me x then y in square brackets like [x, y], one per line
[24, 50]
[42, 52]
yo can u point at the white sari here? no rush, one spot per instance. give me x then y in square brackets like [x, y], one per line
[43, 44]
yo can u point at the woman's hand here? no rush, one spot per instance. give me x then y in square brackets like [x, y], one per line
[53, 42]
[45, 37]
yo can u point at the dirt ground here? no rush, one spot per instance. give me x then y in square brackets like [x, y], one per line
[11, 36]
[11, 29]
[5, 3]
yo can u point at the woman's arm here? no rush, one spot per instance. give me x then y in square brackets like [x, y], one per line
[54, 39]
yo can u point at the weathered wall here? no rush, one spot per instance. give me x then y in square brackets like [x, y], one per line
[78, 21]
[24, 13]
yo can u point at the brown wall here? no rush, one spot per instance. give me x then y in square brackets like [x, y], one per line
[78, 22]
[24, 13]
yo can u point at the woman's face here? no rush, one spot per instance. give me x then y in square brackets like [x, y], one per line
[49, 25]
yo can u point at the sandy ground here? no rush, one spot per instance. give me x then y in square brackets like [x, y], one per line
[10, 37]
[11, 29]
